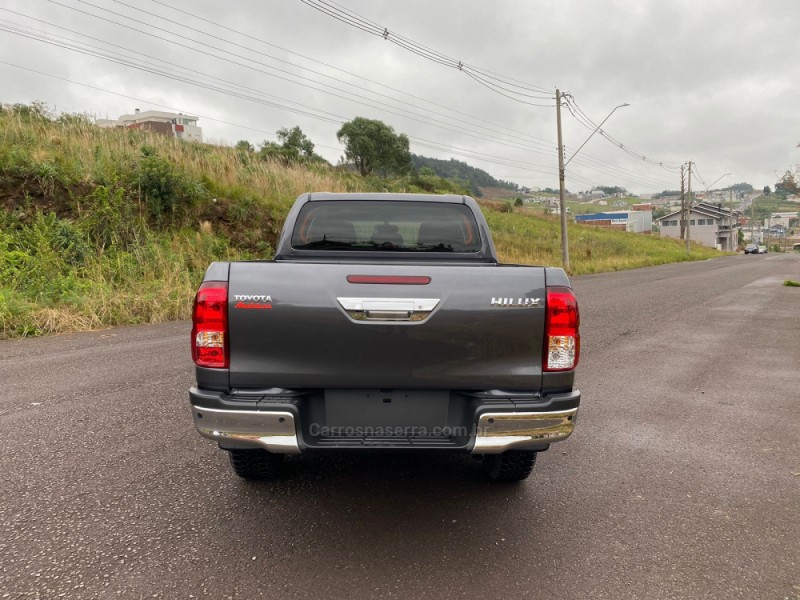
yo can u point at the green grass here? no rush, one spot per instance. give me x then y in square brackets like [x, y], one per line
[764, 206]
[537, 240]
[109, 227]
[791, 283]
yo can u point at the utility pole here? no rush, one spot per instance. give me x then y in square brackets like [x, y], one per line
[561, 201]
[683, 202]
[731, 245]
[689, 210]
[562, 166]
[769, 229]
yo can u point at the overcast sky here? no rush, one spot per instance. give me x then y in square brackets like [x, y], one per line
[716, 82]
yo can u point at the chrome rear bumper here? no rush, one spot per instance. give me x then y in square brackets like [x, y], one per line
[272, 430]
[276, 430]
[501, 431]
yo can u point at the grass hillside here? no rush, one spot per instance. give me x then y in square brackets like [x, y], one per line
[107, 227]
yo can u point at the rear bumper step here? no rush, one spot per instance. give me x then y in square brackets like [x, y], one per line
[393, 442]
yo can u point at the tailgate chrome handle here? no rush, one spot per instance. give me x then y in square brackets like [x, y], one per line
[388, 309]
[387, 315]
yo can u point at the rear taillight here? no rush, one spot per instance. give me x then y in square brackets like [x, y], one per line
[562, 340]
[210, 331]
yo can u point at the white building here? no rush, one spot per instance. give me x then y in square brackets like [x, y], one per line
[709, 225]
[177, 125]
[633, 221]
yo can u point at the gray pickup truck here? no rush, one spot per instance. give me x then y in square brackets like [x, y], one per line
[384, 322]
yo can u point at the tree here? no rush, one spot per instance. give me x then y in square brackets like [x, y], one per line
[371, 144]
[244, 146]
[741, 188]
[787, 185]
[457, 170]
[296, 143]
[294, 147]
[427, 172]
[610, 190]
[767, 191]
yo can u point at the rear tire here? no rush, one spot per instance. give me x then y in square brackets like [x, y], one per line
[256, 464]
[513, 465]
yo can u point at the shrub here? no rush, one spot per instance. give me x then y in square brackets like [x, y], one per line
[110, 219]
[168, 194]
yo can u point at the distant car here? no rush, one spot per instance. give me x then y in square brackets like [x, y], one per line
[751, 249]
[763, 249]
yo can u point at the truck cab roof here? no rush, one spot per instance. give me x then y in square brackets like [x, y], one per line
[384, 196]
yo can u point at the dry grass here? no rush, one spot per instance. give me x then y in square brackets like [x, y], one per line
[87, 154]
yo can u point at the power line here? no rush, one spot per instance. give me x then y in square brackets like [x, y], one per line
[548, 93]
[507, 160]
[587, 122]
[697, 173]
[145, 101]
[480, 75]
[495, 89]
[306, 110]
[619, 175]
[340, 70]
[364, 101]
[425, 51]
[589, 161]
[251, 49]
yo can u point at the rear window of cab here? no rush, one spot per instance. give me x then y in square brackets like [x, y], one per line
[363, 225]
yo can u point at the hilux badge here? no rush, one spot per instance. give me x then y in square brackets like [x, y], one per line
[516, 302]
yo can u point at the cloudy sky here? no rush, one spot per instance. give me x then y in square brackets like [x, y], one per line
[716, 82]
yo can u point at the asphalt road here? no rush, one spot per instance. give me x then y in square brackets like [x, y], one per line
[681, 481]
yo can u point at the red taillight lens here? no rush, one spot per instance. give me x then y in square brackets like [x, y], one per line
[210, 331]
[562, 340]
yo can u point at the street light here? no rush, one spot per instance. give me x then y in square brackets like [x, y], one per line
[716, 180]
[561, 176]
[595, 131]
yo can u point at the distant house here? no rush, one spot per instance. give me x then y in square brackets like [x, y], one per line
[784, 219]
[623, 220]
[166, 123]
[710, 225]
[665, 200]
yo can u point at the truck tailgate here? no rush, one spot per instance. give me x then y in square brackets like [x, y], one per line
[304, 325]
